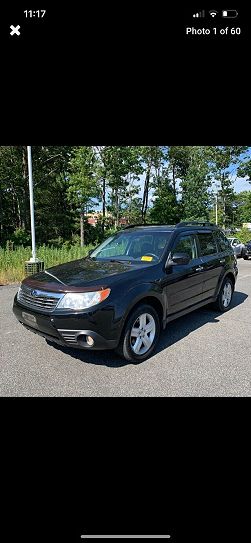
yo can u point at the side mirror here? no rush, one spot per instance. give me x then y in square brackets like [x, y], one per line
[90, 252]
[180, 259]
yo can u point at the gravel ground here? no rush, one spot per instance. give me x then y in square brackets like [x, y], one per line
[201, 354]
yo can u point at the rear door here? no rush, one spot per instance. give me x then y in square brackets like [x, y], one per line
[183, 283]
[212, 260]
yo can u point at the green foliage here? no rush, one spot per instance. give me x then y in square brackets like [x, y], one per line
[177, 182]
[242, 207]
[195, 185]
[165, 208]
[220, 160]
[244, 235]
[12, 262]
[82, 183]
[244, 170]
[21, 237]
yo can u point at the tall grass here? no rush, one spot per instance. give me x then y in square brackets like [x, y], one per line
[12, 261]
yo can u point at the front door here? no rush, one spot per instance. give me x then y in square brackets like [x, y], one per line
[183, 283]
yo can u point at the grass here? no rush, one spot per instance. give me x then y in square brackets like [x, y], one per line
[12, 261]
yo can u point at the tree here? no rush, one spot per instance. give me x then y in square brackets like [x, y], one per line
[165, 209]
[195, 184]
[122, 168]
[52, 211]
[178, 164]
[54, 214]
[242, 202]
[82, 184]
[152, 159]
[244, 170]
[68, 179]
[222, 159]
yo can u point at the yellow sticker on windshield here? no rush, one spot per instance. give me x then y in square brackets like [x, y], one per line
[147, 258]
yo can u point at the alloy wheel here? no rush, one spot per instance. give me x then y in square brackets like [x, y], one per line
[142, 334]
[227, 294]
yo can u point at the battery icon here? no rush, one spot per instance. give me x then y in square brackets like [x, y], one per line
[230, 13]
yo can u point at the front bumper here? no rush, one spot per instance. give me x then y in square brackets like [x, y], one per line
[70, 332]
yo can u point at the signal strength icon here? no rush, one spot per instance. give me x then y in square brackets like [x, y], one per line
[199, 14]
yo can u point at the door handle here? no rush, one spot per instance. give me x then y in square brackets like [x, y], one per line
[199, 269]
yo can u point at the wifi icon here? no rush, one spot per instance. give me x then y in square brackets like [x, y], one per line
[213, 13]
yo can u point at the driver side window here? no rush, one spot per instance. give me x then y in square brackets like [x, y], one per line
[186, 244]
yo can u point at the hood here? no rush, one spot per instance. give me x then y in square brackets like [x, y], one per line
[80, 275]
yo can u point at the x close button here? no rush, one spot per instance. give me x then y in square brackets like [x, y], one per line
[14, 30]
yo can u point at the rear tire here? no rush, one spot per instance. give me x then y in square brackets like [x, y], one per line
[140, 335]
[225, 296]
[245, 257]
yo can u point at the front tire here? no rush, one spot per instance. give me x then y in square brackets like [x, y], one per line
[225, 295]
[140, 335]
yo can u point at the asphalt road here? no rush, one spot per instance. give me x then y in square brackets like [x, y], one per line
[201, 354]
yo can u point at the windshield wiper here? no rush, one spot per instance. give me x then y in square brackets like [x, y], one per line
[116, 260]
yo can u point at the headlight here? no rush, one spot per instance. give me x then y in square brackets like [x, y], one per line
[83, 300]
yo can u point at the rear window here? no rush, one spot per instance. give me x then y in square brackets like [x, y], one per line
[207, 244]
[222, 241]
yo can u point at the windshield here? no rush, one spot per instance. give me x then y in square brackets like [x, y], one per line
[133, 247]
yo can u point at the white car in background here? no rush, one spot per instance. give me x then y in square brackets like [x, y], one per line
[237, 246]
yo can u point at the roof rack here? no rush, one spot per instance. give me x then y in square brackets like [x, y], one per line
[178, 225]
[194, 223]
[149, 224]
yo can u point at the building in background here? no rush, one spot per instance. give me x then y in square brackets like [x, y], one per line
[93, 218]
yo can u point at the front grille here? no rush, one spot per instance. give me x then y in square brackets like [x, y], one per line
[37, 299]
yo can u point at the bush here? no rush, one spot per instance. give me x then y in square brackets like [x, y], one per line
[243, 235]
[56, 242]
[21, 237]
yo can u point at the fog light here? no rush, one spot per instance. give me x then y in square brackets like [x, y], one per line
[89, 341]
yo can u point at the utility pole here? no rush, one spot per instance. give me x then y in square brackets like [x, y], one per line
[81, 229]
[33, 265]
[33, 243]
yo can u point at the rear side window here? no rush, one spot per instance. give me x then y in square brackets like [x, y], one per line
[222, 241]
[207, 244]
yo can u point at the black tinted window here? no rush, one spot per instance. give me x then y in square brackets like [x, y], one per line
[222, 241]
[186, 244]
[207, 244]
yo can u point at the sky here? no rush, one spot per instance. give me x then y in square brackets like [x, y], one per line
[241, 184]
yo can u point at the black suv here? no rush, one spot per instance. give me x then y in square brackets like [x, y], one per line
[247, 250]
[125, 291]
